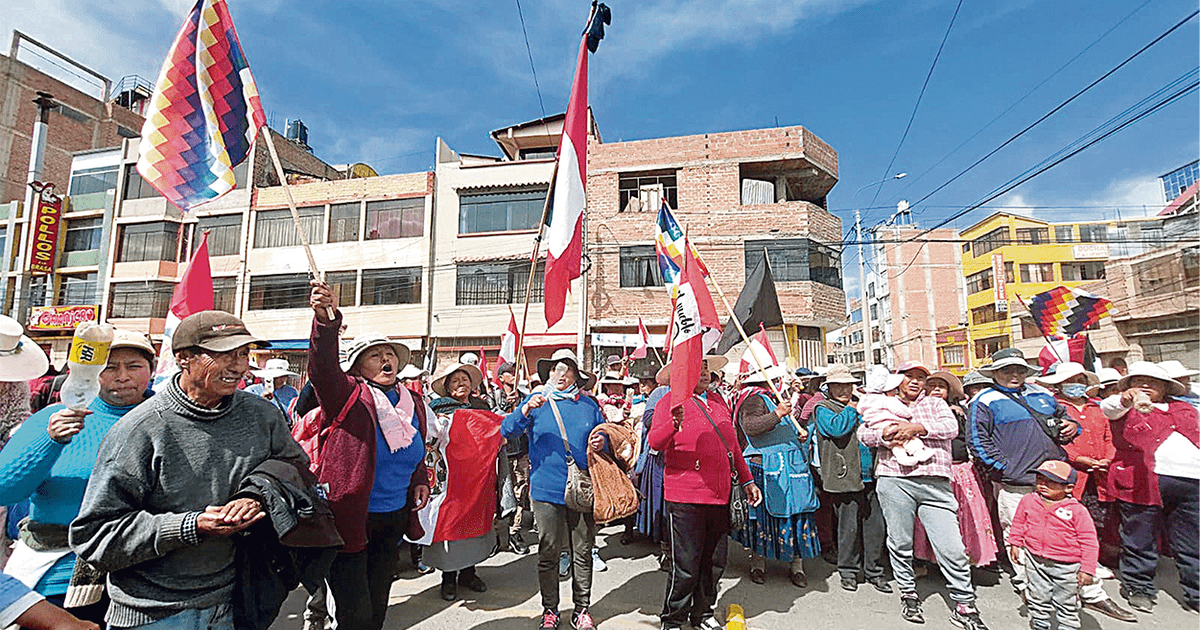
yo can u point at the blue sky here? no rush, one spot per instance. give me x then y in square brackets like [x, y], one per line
[378, 81]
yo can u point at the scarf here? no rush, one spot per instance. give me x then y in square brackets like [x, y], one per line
[395, 421]
[569, 393]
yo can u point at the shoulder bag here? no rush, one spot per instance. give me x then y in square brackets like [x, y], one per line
[739, 508]
[578, 494]
[1051, 424]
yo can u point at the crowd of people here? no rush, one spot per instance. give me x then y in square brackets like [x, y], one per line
[204, 503]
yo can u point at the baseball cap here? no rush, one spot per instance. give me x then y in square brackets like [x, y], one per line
[217, 331]
[132, 340]
[1057, 470]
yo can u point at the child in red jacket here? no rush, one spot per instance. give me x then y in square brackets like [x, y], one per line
[1055, 536]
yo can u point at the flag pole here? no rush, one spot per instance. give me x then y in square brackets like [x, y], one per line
[287, 190]
[537, 246]
[1035, 323]
[787, 342]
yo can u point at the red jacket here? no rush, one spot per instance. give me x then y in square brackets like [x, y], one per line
[348, 455]
[1094, 441]
[1062, 531]
[1136, 437]
[695, 462]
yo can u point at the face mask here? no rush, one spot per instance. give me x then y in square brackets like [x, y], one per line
[1074, 390]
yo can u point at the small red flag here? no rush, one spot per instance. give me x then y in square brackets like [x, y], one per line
[643, 341]
[694, 312]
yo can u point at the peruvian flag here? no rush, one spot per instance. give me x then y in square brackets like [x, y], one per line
[508, 345]
[193, 294]
[643, 341]
[694, 312]
[462, 501]
[760, 348]
[564, 232]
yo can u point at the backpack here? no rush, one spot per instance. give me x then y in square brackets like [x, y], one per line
[308, 432]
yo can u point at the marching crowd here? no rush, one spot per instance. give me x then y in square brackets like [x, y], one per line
[202, 505]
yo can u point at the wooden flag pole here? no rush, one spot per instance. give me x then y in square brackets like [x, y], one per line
[287, 190]
[537, 246]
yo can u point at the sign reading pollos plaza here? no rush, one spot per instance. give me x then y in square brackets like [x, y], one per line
[46, 225]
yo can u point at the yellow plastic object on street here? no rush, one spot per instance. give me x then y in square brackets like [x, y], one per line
[735, 618]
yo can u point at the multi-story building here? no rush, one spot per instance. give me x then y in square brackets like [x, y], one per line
[740, 195]
[1176, 182]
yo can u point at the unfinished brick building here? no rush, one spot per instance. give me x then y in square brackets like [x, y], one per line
[738, 194]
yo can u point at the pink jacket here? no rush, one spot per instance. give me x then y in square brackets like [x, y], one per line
[1062, 531]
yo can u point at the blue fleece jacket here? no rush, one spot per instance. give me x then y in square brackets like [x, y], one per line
[547, 461]
[1007, 438]
[53, 476]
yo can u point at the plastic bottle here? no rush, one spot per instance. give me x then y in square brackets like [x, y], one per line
[735, 618]
[87, 359]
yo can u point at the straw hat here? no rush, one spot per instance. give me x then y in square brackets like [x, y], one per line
[1175, 369]
[20, 358]
[274, 369]
[1066, 371]
[840, 374]
[1005, 357]
[1153, 370]
[369, 340]
[586, 379]
[956, 386]
[439, 384]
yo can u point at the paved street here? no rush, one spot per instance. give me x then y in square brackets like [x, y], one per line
[629, 595]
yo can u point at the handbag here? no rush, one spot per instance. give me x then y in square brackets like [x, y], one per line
[739, 507]
[578, 495]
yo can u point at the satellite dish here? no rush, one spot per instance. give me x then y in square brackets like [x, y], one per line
[362, 170]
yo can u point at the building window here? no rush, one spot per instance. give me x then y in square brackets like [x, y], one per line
[78, 289]
[400, 285]
[966, 248]
[149, 241]
[639, 267]
[1064, 233]
[498, 283]
[981, 281]
[875, 317]
[870, 290]
[344, 285]
[797, 259]
[397, 218]
[538, 153]
[140, 299]
[343, 222]
[1037, 272]
[992, 240]
[136, 187]
[225, 294]
[93, 180]
[275, 228]
[952, 355]
[1077, 272]
[224, 234]
[1093, 233]
[644, 192]
[986, 315]
[83, 235]
[984, 348]
[288, 290]
[1033, 236]
[500, 211]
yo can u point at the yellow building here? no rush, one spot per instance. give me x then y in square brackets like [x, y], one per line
[1007, 255]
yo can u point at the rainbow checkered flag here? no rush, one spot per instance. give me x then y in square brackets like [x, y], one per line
[204, 114]
[1066, 311]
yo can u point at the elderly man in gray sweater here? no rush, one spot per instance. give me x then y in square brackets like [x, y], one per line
[157, 514]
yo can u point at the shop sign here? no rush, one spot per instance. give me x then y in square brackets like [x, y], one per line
[1000, 283]
[62, 317]
[46, 225]
[1091, 250]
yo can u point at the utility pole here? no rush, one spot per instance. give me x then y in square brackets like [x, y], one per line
[37, 160]
[862, 282]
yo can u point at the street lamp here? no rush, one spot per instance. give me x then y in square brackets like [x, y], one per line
[862, 270]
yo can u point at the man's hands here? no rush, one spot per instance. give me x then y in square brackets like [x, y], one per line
[1070, 429]
[420, 496]
[677, 417]
[322, 301]
[64, 424]
[1014, 554]
[535, 401]
[229, 519]
[754, 495]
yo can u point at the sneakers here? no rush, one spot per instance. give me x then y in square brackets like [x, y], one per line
[582, 620]
[1140, 602]
[966, 616]
[598, 565]
[516, 544]
[709, 623]
[549, 620]
[911, 611]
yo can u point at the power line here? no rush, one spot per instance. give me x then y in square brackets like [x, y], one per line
[529, 50]
[917, 105]
[1059, 107]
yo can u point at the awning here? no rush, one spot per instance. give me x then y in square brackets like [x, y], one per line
[288, 344]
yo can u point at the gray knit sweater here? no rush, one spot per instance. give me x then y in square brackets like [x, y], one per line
[159, 467]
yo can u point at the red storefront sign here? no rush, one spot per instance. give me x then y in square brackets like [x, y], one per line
[61, 317]
[46, 225]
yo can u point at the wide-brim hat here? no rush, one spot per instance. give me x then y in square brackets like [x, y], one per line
[611, 377]
[585, 380]
[1146, 368]
[1005, 357]
[1106, 376]
[975, 378]
[840, 374]
[274, 369]
[439, 384]
[771, 373]
[369, 340]
[1176, 369]
[411, 371]
[1066, 371]
[956, 386]
[20, 358]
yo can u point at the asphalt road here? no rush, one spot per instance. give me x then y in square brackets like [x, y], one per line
[629, 596]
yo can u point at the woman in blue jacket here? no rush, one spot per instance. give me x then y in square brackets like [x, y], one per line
[538, 417]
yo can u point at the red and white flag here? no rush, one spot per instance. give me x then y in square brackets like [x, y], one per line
[643, 341]
[694, 312]
[564, 232]
[193, 294]
[462, 501]
[759, 350]
[508, 345]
